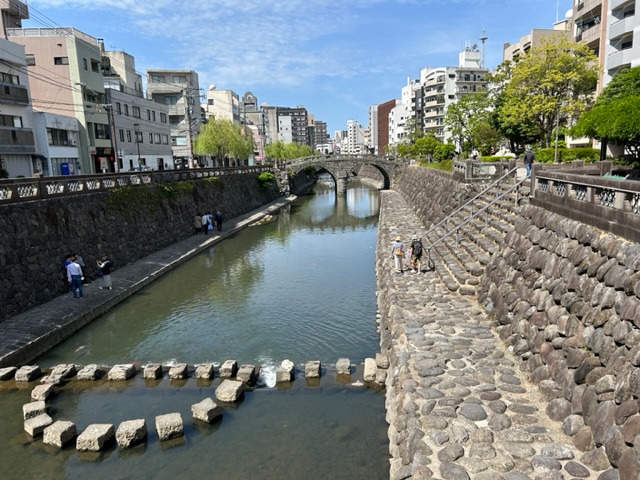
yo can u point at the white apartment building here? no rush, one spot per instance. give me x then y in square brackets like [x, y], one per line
[373, 128]
[397, 120]
[355, 138]
[59, 146]
[222, 104]
[623, 37]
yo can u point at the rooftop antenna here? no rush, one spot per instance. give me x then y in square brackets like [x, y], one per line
[483, 39]
[557, 2]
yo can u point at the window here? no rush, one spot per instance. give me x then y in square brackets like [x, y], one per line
[148, 114]
[175, 119]
[179, 79]
[135, 111]
[139, 137]
[31, 59]
[170, 100]
[95, 65]
[56, 136]
[61, 60]
[118, 108]
[165, 139]
[163, 118]
[151, 138]
[210, 101]
[121, 135]
[157, 78]
[126, 109]
[10, 121]
[8, 78]
[153, 115]
[101, 131]
[85, 64]
[129, 136]
[157, 138]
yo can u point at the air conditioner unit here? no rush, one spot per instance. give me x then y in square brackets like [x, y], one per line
[73, 142]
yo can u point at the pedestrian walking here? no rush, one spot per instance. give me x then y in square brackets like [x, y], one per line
[74, 275]
[206, 223]
[397, 253]
[197, 223]
[218, 219]
[416, 254]
[528, 159]
[104, 273]
[407, 259]
[80, 262]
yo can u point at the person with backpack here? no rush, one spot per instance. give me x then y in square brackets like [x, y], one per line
[206, 222]
[416, 254]
[528, 159]
[397, 253]
[218, 219]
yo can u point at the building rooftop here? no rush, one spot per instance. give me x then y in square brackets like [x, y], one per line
[51, 32]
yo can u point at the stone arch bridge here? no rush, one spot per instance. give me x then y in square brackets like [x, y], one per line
[341, 168]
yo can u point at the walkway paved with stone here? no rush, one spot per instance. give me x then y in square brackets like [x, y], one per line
[457, 404]
[25, 336]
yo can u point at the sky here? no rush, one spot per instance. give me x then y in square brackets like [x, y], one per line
[334, 58]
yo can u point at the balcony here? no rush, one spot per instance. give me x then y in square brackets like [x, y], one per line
[620, 58]
[590, 35]
[587, 9]
[17, 141]
[615, 4]
[14, 94]
[621, 27]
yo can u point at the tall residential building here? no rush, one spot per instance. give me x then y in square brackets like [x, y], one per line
[382, 124]
[65, 77]
[222, 104]
[179, 90]
[442, 86]
[623, 37]
[590, 22]
[355, 138]
[17, 141]
[321, 137]
[511, 51]
[286, 124]
[140, 125]
[373, 129]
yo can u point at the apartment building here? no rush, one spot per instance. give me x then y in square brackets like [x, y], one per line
[512, 51]
[140, 125]
[65, 78]
[355, 138]
[622, 48]
[57, 143]
[179, 90]
[320, 133]
[18, 155]
[222, 104]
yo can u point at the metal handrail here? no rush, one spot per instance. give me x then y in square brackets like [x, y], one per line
[495, 183]
[473, 215]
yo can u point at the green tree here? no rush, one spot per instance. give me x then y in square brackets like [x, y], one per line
[615, 117]
[290, 150]
[553, 82]
[223, 138]
[466, 116]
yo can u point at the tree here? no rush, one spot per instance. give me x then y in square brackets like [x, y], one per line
[290, 150]
[466, 116]
[615, 116]
[223, 138]
[550, 84]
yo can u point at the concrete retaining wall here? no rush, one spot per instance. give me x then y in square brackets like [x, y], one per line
[126, 226]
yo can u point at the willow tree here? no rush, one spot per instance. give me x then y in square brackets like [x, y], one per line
[290, 150]
[223, 138]
[555, 81]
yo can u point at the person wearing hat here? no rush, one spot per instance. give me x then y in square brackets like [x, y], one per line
[528, 158]
[416, 253]
[397, 252]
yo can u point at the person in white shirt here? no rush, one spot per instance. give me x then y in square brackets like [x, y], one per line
[74, 275]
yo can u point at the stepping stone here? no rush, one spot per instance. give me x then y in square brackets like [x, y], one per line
[122, 372]
[284, 373]
[228, 369]
[178, 372]
[64, 370]
[35, 426]
[169, 426]
[205, 371]
[229, 391]
[131, 432]
[370, 368]
[312, 369]
[89, 372]
[7, 373]
[59, 433]
[343, 366]
[206, 410]
[42, 392]
[153, 371]
[95, 437]
[33, 409]
[248, 374]
[28, 373]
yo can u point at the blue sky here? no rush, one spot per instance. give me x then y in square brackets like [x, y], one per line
[335, 58]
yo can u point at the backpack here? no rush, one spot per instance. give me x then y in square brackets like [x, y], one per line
[417, 248]
[398, 252]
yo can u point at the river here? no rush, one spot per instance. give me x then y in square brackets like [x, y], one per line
[301, 287]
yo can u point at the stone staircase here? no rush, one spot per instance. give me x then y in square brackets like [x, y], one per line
[460, 259]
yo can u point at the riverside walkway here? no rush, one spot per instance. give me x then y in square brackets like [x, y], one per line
[32, 333]
[457, 404]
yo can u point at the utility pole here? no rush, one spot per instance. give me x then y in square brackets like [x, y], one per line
[114, 141]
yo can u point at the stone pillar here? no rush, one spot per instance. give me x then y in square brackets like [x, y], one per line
[341, 183]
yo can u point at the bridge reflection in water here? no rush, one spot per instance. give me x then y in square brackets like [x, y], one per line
[301, 287]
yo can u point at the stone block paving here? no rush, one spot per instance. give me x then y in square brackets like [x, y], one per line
[458, 406]
[28, 335]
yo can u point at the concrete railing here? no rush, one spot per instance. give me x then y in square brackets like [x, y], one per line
[34, 188]
[470, 171]
[588, 193]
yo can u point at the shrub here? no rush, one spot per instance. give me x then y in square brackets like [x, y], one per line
[496, 158]
[547, 155]
[444, 165]
[265, 180]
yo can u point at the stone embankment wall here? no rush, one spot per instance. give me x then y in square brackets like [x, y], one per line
[567, 300]
[125, 225]
[371, 176]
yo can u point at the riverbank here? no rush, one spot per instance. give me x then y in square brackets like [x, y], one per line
[458, 406]
[28, 335]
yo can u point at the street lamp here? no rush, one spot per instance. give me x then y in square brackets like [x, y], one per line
[136, 128]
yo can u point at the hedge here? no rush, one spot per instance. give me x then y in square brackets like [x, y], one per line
[565, 155]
